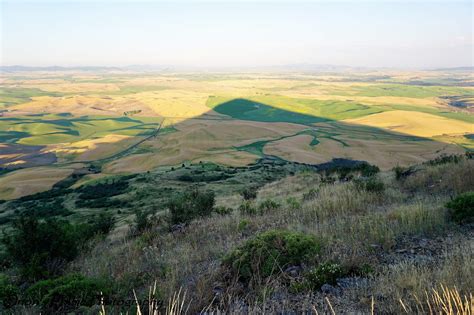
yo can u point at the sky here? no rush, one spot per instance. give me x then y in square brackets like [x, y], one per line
[397, 34]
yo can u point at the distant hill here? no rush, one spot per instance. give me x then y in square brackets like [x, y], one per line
[18, 68]
[470, 69]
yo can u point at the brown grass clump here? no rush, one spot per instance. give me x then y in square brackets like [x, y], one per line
[450, 178]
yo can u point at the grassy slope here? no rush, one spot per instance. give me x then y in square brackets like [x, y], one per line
[359, 227]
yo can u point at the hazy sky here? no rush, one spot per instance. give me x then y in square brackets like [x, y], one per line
[245, 33]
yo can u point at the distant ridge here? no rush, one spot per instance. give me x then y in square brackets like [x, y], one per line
[301, 68]
[454, 69]
[170, 68]
[55, 68]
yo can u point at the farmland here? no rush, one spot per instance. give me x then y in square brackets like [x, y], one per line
[59, 119]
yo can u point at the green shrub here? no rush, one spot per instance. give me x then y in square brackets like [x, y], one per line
[293, 203]
[402, 172]
[42, 248]
[221, 210]
[322, 274]
[461, 208]
[311, 194]
[9, 293]
[267, 206]
[243, 225]
[249, 193]
[371, 184]
[444, 159]
[142, 221]
[368, 170]
[247, 208]
[102, 223]
[270, 252]
[191, 205]
[38, 290]
[68, 292]
[38, 248]
[104, 190]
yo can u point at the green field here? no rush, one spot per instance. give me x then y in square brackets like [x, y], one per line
[63, 128]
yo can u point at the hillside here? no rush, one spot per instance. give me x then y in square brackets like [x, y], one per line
[275, 236]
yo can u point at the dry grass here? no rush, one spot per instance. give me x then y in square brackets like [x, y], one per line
[441, 288]
[443, 179]
[358, 228]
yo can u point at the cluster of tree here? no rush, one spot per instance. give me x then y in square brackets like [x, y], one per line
[40, 250]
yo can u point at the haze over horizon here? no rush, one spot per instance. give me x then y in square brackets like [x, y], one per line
[416, 34]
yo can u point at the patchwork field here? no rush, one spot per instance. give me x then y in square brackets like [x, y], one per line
[122, 122]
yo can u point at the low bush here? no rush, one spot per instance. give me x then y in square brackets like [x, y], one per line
[326, 273]
[247, 208]
[293, 203]
[102, 223]
[249, 193]
[191, 205]
[270, 252]
[42, 248]
[345, 169]
[461, 208]
[267, 206]
[103, 190]
[371, 184]
[9, 293]
[221, 210]
[311, 194]
[242, 225]
[402, 172]
[104, 202]
[68, 293]
[444, 159]
[142, 221]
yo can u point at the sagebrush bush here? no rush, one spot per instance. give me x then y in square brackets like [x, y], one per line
[325, 273]
[222, 210]
[249, 193]
[103, 223]
[461, 208]
[142, 221]
[68, 292]
[293, 203]
[371, 184]
[270, 252]
[247, 208]
[191, 205]
[402, 172]
[267, 206]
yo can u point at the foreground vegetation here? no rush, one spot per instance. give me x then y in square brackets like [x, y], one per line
[344, 237]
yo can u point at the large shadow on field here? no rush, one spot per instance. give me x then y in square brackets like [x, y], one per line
[244, 109]
[369, 141]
